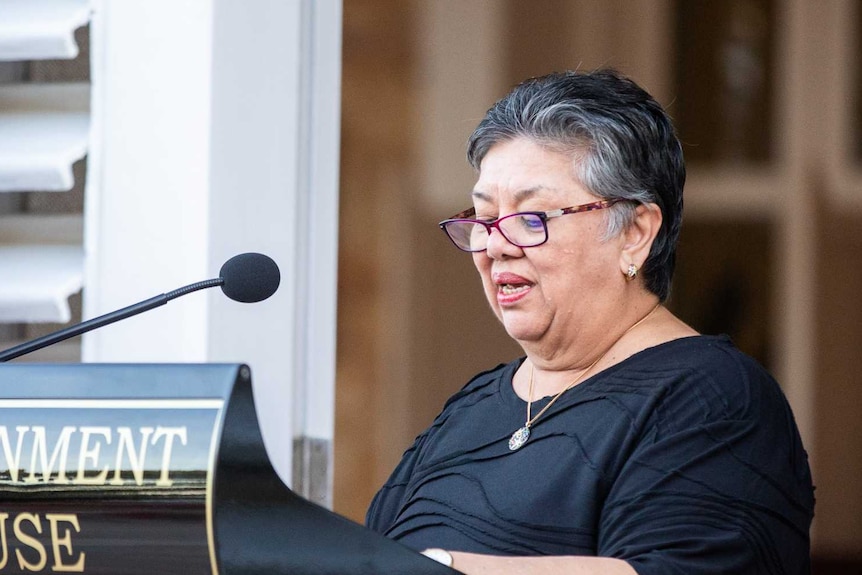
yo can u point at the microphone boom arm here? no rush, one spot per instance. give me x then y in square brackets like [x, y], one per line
[103, 320]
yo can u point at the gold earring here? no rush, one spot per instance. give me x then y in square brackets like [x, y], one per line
[632, 272]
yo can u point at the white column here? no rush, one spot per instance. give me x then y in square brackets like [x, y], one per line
[216, 133]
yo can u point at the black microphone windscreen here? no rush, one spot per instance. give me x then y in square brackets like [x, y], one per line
[249, 277]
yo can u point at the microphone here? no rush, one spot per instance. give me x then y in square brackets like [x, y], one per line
[246, 278]
[249, 278]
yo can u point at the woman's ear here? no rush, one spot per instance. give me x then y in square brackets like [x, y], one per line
[638, 238]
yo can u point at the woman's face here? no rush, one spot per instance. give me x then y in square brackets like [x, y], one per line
[555, 292]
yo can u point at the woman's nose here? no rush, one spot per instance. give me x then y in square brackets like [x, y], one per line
[499, 247]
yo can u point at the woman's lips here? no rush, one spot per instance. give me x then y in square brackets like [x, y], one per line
[511, 288]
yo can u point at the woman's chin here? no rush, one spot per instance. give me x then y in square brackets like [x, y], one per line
[520, 329]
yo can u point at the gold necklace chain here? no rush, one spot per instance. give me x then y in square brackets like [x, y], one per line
[520, 437]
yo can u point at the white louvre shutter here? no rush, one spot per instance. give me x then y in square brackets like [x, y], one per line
[44, 131]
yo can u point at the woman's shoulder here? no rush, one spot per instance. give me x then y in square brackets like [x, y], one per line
[715, 354]
[709, 371]
[485, 383]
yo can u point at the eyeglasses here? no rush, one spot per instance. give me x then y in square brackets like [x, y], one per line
[523, 229]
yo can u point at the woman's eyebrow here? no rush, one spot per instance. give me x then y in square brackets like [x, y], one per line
[520, 195]
[479, 195]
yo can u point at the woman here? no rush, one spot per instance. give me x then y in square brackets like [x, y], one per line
[624, 441]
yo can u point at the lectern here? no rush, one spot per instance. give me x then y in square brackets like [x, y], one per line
[157, 470]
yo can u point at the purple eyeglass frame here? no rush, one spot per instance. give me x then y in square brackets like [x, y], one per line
[465, 216]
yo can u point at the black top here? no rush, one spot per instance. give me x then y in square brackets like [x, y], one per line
[684, 458]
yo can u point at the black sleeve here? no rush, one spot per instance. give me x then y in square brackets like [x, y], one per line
[719, 483]
[387, 503]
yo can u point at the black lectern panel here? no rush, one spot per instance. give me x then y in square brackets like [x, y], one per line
[160, 469]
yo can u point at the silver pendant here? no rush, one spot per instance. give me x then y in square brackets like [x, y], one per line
[519, 438]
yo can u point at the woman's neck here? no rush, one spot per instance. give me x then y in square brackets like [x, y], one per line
[555, 366]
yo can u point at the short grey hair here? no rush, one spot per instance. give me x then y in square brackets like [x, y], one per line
[624, 143]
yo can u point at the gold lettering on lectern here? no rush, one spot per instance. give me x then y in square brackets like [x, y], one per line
[29, 541]
[77, 474]
[101, 454]
[65, 541]
[31, 553]
[98, 455]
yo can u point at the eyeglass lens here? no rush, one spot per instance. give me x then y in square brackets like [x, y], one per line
[523, 230]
